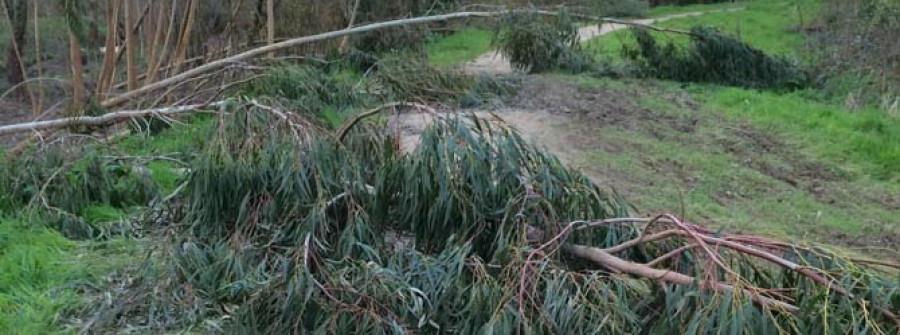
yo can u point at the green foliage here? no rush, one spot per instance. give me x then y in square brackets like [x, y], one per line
[411, 80]
[309, 88]
[73, 10]
[282, 232]
[64, 188]
[714, 58]
[331, 93]
[536, 44]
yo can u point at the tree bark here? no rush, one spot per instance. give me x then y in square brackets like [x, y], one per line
[77, 72]
[129, 44]
[104, 119]
[270, 24]
[109, 58]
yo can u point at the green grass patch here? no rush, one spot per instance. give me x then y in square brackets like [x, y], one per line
[102, 213]
[183, 137]
[865, 142]
[459, 47]
[38, 270]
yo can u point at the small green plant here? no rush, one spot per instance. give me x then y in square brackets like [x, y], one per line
[713, 57]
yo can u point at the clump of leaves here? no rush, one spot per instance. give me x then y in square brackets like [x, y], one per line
[713, 57]
[407, 79]
[538, 44]
[309, 88]
[64, 185]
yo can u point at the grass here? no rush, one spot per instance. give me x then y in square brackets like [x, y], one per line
[866, 142]
[41, 271]
[717, 174]
[462, 46]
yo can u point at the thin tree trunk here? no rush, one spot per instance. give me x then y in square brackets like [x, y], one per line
[77, 73]
[184, 38]
[129, 44]
[345, 42]
[270, 24]
[109, 57]
[165, 40]
[38, 109]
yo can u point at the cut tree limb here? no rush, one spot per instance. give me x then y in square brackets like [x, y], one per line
[606, 259]
[104, 119]
[262, 51]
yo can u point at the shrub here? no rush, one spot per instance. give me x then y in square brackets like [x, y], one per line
[713, 57]
[855, 43]
[536, 44]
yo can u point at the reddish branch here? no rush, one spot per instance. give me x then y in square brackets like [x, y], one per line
[704, 238]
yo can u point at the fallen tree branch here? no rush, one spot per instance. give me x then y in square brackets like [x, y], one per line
[265, 50]
[606, 259]
[104, 119]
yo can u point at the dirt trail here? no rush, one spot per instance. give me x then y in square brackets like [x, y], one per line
[493, 62]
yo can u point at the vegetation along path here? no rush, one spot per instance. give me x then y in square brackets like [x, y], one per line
[493, 62]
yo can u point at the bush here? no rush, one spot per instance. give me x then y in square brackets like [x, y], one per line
[855, 43]
[536, 44]
[713, 57]
[617, 8]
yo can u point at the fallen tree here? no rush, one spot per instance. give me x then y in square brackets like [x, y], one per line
[105, 119]
[291, 43]
[473, 231]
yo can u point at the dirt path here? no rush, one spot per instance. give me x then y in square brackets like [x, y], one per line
[493, 62]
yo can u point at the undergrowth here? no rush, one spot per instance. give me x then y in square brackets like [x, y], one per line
[63, 190]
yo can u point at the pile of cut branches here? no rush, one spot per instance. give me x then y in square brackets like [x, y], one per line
[476, 230]
[713, 57]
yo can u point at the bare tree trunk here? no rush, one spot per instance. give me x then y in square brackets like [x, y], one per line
[39, 107]
[77, 73]
[109, 57]
[346, 40]
[129, 44]
[184, 38]
[270, 24]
